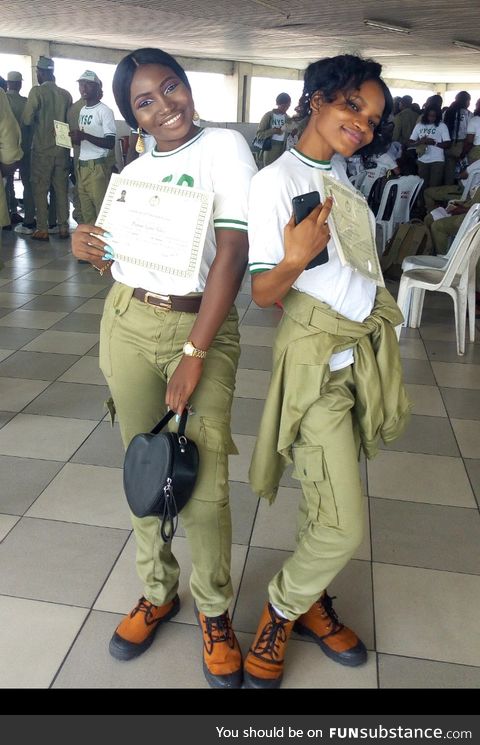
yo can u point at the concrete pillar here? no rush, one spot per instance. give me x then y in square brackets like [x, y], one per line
[36, 48]
[243, 72]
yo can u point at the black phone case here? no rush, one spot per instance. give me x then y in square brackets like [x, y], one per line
[302, 206]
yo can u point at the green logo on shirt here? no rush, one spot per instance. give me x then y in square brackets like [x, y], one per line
[184, 180]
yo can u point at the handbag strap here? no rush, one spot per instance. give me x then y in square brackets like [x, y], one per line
[169, 415]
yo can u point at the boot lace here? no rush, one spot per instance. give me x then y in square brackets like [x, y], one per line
[218, 629]
[146, 607]
[272, 639]
[326, 607]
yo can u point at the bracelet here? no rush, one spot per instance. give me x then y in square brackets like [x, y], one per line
[101, 271]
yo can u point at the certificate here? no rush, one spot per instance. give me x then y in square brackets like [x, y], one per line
[157, 226]
[351, 230]
[62, 134]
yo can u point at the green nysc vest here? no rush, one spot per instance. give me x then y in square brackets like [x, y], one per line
[309, 333]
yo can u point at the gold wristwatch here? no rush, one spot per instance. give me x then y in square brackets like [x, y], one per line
[191, 350]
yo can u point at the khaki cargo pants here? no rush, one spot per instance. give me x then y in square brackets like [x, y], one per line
[93, 177]
[330, 516]
[140, 348]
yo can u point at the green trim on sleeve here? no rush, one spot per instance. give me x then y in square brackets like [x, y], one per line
[260, 266]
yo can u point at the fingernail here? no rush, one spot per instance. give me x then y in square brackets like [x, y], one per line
[177, 418]
[107, 257]
[107, 235]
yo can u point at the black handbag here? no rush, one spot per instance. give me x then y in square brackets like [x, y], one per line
[267, 144]
[159, 474]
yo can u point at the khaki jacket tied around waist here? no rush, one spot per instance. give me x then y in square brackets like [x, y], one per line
[309, 333]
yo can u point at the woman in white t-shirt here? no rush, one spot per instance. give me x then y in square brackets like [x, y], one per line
[433, 136]
[169, 337]
[456, 117]
[471, 146]
[314, 405]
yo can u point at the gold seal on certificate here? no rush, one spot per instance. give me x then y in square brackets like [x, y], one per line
[62, 134]
[352, 231]
[157, 226]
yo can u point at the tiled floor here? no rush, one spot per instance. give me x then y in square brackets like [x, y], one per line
[66, 550]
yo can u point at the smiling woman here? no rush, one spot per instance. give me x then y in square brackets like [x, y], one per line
[320, 404]
[170, 341]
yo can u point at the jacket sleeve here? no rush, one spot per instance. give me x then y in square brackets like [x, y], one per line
[10, 150]
[397, 129]
[264, 128]
[30, 108]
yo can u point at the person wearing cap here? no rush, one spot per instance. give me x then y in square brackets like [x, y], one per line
[17, 104]
[95, 133]
[10, 153]
[47, 102]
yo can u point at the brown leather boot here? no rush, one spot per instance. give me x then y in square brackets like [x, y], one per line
[264, 662]
[40, 235]
[137, 631]
[222, 657]
[338, 642]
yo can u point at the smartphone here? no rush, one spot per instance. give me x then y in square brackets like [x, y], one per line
[302, 206]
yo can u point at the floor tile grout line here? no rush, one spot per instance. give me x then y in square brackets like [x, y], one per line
[91, 609]
[247, 553]
[372, 585]
[459, 448]
[44, 600]
[62, 663]
[426, 659]
[428, 504]
[69, 522]
[10, 529]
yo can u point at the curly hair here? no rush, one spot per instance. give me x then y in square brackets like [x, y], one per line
[122, 79]
[344, 74]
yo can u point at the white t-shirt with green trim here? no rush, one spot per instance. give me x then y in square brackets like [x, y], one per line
[271, 193]
[99, 121]
[217, 160]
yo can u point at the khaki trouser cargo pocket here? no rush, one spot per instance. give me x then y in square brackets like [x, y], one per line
[116, 303]
[308, 463]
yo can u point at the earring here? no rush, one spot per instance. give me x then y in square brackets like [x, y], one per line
[140, 144]
[196, 116]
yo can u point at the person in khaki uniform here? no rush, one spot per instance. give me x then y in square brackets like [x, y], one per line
[46, 103]
[17, 104]
[404, 121]
[443, 230]
[336, 378]
[172, 340]
[95, 133]
[10, 153]
[274, 124]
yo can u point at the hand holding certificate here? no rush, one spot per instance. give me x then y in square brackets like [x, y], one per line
[62, 134]
[352, 231]
[156, 225]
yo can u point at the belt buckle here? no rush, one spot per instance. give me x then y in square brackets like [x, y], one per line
[164, 303]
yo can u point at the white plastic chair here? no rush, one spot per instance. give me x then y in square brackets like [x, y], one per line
[408, 188]
[357, 179]
[457, 280]
[440, 262]
[371, 175]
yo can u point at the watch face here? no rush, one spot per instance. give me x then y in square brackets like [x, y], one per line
[188, 348]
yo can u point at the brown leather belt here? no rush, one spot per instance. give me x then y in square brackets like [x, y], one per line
[182, 303]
